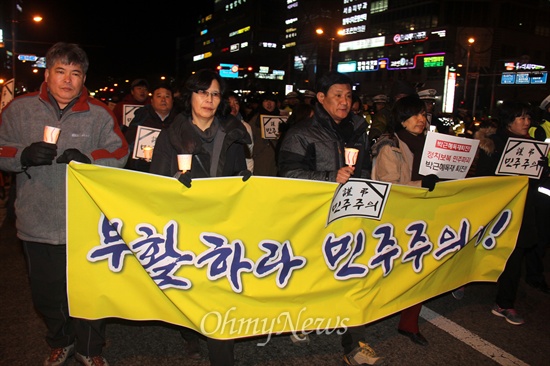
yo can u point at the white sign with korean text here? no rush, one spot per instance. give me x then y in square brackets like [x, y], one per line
[7, 93]
[521, 157]
[447, 156]
[359, 197]
[129, 111]
[270, 126]
[145, 136]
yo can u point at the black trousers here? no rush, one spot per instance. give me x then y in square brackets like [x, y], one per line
[220, 352]
[47, 269]
[534, 262]
[351, 337]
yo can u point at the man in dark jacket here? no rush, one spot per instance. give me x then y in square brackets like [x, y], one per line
[159, 114]
[314, 149]
[139, 95]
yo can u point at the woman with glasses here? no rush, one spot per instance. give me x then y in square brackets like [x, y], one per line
[204, 128]
[217, 140]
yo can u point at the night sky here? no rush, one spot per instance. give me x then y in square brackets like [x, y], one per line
[122, 41]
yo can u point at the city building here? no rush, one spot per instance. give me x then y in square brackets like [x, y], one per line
[474, 53]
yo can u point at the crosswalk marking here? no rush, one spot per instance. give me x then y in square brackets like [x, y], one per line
[464, 335]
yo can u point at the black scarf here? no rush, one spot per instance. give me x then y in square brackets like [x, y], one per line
[416, 145]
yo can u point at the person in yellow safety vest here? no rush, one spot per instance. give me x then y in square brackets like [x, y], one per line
[542, 131]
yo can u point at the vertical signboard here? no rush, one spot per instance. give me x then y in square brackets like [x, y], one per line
[449, 90]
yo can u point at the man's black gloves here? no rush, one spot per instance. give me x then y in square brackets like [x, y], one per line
[245, 174]
[429, 182]
[184, 178]
[73, 154]
[38, 153]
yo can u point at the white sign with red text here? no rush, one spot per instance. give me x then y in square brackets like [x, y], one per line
[447, 156]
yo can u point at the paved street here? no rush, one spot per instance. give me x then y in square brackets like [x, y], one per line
[460, 332]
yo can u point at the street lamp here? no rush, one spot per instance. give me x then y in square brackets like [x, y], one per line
[340, 32]
[471, 41]
[14, 21]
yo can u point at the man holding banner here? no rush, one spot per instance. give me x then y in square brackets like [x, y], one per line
[315, 151]
[86, 132]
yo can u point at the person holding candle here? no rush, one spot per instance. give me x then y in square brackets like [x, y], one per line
[315, 149]
[89, 133]
[159, 114]
[217, 141]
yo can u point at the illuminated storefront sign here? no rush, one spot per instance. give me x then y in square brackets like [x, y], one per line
[419, 36]
[449, 90]
[441, 33]
[402, 63]
[354, 19]
[273, 76]
[361, 44]
[239, 31]
[369, 65]
[299, 62]
[291, 4]
[511, 66]
[422, 60]
[229, 71]
[524, 78]
[234, 4]
[410, 37]
[202, 56]
[355, 30]
[434, 61]
[347, 66]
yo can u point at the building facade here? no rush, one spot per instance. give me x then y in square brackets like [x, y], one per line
[474, 53]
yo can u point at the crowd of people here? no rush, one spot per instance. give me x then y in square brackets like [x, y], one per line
[207, 121]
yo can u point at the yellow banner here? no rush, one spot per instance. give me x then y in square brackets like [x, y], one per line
[233, 259]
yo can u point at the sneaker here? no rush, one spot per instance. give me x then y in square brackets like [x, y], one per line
[511, 315]
[458, 293]
[91, 361]
[59, 356]
[300, 339]
[363, 355]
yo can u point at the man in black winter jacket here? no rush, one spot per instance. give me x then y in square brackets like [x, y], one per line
[314, 149]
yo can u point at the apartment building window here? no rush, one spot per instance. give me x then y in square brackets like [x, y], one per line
[378, 6]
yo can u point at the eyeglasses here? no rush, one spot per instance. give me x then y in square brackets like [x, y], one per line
[207, 94]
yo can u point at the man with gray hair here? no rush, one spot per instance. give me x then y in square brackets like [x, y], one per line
[89, 134]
